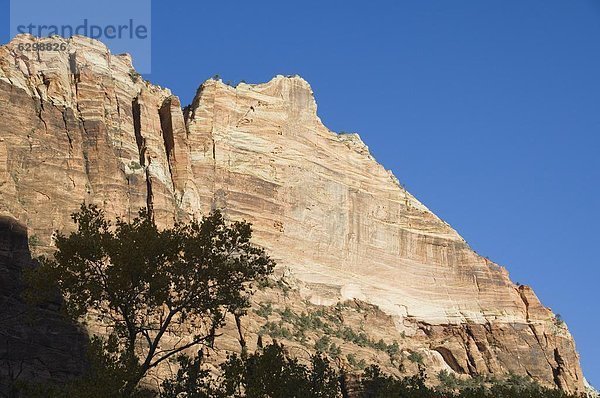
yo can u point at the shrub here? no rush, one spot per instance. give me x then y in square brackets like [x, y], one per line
[416, 357]
[322, 344]
[264, 310]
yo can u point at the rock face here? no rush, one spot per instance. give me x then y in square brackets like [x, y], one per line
[81, 125]
[35, 343]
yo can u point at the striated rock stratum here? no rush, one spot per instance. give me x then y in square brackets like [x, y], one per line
[351, 243]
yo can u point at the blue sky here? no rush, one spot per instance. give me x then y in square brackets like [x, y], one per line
[488, 111]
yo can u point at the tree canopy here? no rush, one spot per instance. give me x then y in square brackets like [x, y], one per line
[143, 282]
[270, 372]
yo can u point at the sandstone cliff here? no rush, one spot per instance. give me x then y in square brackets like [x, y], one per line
[81, 125]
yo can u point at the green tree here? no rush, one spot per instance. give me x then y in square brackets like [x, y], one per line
[191, 381]
[145, 283]
[377, 384]
[267, 373]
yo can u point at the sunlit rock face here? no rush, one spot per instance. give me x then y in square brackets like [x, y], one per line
[81, 125]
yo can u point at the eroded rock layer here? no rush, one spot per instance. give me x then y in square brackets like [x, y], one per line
[81, 125]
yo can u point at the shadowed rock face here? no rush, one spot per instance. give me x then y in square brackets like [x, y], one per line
[81, 126]
[35, 343]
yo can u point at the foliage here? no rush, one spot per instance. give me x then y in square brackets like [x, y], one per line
[103, 377]
[275, 330]
[270, 373]
[354, 363]
[135, 165]
[393, 349]
[264, 283]
[269, 283]
[376, 384]
[334, 351]
[134, 75]
[191, 381]
[145, 283]
[264, 310]
[322, 344]
[416, 357]
[34, 241]
[328, 323]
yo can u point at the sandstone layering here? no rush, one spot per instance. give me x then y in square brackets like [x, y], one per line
[81, 125]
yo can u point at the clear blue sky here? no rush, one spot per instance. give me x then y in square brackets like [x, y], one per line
[488, 111]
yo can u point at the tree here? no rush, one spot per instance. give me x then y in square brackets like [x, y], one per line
[144, 283]
[376, 384]
[267, 373]
[191, 381]
[273, 373]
